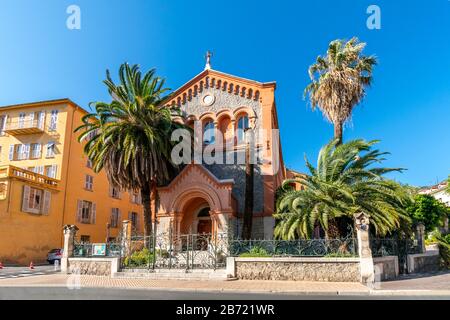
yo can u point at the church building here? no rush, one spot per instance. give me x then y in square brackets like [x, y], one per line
[209, 198]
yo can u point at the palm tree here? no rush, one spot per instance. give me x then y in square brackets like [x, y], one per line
[130, 136]
[344, 183]
[339, 81]
[249, 190]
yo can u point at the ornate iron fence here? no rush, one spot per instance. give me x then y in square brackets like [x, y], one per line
[208, 251]
[393, 247]
[296, 248]
[168, 251]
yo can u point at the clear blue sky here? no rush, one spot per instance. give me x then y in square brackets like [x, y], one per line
[408, 107]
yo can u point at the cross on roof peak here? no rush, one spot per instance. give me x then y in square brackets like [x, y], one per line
[208, 60]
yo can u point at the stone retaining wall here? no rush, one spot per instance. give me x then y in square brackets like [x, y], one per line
[93, 266]
[424, 262]
[298, 269]
[386, 268]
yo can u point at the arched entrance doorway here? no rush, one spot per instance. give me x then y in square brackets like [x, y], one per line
[204, 223]
[195, 217]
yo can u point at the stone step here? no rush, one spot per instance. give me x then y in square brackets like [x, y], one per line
[176, 274]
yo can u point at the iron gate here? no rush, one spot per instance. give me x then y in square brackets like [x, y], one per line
[169, 251]
[395, 247]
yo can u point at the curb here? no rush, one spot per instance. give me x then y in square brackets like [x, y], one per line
[364, 293]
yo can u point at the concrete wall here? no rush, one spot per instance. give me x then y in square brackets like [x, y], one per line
[424, 262]
[297, 269]
[93, 266]
[26, 237]
[386, 268]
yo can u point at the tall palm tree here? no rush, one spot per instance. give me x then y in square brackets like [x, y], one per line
[339, 81]
[130, 136]
[345, 182]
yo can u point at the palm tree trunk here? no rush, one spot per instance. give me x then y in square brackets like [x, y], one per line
[338, 132]
[155, 209]
[248, 204]
[155, 222]
[146, 204]
[333, 230]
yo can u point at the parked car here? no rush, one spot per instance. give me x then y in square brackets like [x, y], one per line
[53, 255]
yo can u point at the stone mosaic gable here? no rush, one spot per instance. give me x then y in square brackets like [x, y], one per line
[230, 97]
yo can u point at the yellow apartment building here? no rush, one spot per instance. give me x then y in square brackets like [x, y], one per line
[46, 182]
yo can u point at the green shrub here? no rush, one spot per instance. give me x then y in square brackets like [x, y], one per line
[444, 249]
[428, 210]
[255, 252]
[340, 255]
[139, 258]
[162, 253]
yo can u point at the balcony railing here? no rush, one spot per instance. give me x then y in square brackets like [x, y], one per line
[24, 127]
[29, 176]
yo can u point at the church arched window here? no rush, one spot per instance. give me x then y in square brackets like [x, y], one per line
[241, 126]
[208, 132]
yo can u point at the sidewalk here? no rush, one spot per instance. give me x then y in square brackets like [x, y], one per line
[394, 288]
[59, 280]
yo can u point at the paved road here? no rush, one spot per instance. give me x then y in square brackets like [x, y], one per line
[59, 293]
[20, 272]
[26, 284]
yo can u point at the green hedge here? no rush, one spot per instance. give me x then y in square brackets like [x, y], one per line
[255, 252]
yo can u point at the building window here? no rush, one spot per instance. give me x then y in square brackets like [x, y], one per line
[35, 150]
[85, 239]
[22, 116]
[19, 151]
[12, 152]
[53, 120]
[115, 217]
[41, 120]
[3, 190]
[3, 120]
[35, 200]
[89, 163]
[50, 149]
[31, 120]
[208, 132]
[86, 212]
[50, 171]
[89, 182]
[114, 192]
[135, 197]
[242, 125]
[40, 170]
[134, 220]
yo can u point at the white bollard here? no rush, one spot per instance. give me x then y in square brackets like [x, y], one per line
[56, 265]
